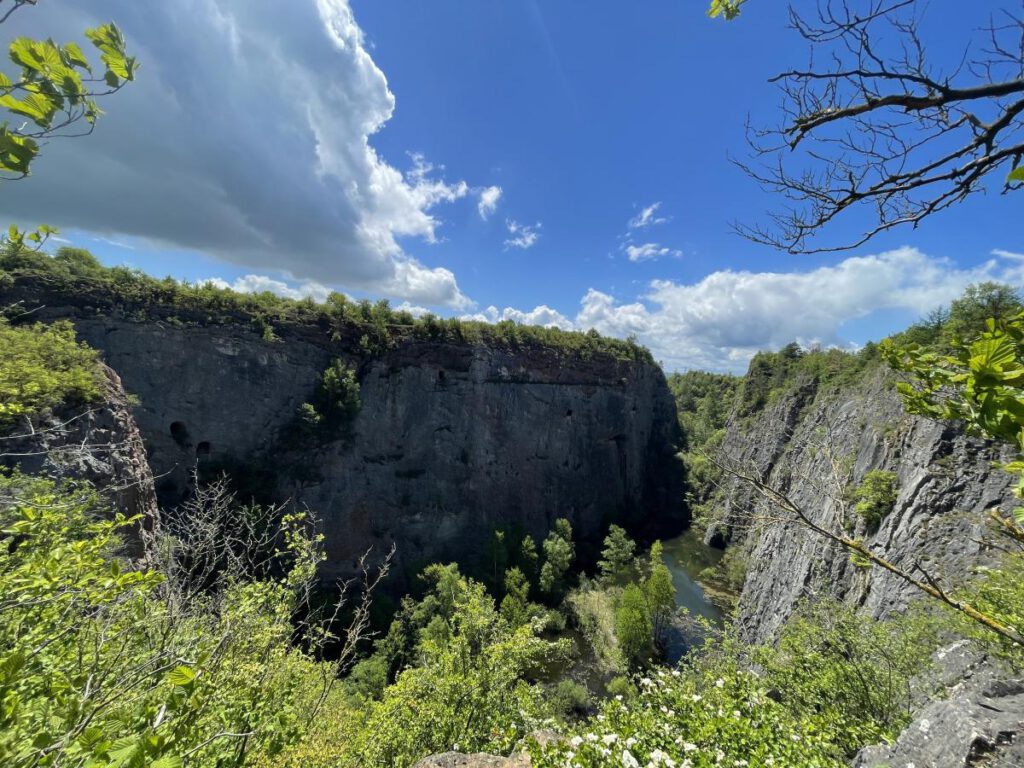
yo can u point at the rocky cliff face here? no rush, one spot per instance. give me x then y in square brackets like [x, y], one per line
[99, 443]
[451, 440]
[946, 483]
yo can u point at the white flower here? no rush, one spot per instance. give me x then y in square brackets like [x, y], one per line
[591, 737]
[740, 763]
[610, 738]
[646, 681]
[675, 673]
[618, 697]
[719, 683]
[630, 741]
[628, 761]
[688, 747]
[575, 741]
[696, 697]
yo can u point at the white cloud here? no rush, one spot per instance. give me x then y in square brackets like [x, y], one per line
[647, 217]
[1007, 254]
[542, 315]
[649, 251]
[521, 235]
[719, 322]
[412, 309]
[248, 137]
[262, 283]
[488, 202]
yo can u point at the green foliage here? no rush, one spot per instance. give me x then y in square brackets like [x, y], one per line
[107, 663]
[633, 627]
[852, 671]
[617, 563]
[709, 712]
[569, 699]
[660, 594]
[515, 606]
[981, 383]
[54, 88]
[704, 402]
[469, 690]
[43, 367]
[338, 394]
[875, 497]
[836, 681]
[366, 328]
[559, 552]
[727, 9]
[593, 613]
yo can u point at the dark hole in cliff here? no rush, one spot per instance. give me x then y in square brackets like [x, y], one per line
[441, 377]
[179, 432]
[203, 449]
[568, 414]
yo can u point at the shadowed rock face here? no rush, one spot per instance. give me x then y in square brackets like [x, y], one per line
[451, 440]
[946, 481]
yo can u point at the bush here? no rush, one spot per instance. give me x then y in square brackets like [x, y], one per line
[570, 699]
[875, 497]
[43, 367]
[106, 662]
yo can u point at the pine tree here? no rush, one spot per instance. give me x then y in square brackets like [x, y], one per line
[616, 564]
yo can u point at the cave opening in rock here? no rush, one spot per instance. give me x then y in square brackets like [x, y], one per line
[180, 433]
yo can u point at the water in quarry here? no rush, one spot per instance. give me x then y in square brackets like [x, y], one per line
[686, 556]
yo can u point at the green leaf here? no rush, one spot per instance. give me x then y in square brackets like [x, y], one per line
[181, 676]
[1017, 174]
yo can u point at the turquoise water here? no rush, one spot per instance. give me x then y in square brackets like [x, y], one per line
[686, 556]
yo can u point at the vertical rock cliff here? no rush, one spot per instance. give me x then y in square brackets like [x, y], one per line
[946, 485]
[451, 441]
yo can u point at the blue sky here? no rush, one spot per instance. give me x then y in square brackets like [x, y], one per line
[546, 161]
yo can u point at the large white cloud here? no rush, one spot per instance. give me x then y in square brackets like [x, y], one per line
[247, 136]
[719, 322]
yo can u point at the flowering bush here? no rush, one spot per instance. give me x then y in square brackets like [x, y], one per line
[687, 718]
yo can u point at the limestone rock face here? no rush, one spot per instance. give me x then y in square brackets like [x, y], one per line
[946, 486]
[981, 722]
[451, 440]
[99, 443]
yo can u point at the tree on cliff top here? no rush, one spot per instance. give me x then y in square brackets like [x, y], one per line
[876, 124]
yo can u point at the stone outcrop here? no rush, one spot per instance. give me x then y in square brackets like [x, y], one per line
[452, 440]
[980, 721]
[946, 487]
[99, 443]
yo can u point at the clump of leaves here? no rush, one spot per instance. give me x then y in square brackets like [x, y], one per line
[56, 87]
[43, 367]
[875, 496]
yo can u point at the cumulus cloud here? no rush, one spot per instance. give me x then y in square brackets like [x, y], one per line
[649, 251]
[521, 236]
[248, 137]
[488, 201]
[719, 322]
[263, 283]
[647, 217]
[542, 315]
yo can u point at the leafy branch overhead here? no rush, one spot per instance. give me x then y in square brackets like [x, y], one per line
[54, 93]
[981, 383]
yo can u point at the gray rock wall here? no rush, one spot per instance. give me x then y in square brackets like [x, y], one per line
[451, 441]
[946, 482]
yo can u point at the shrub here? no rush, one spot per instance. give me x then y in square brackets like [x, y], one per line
[875, 497]
[43, 367]
[570, 699]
